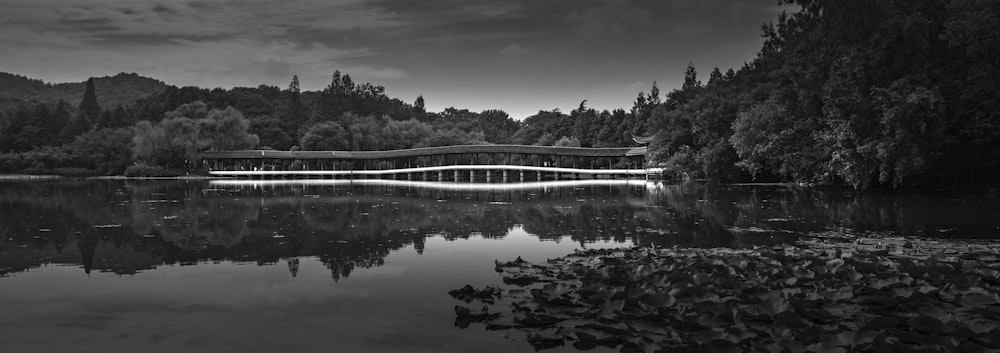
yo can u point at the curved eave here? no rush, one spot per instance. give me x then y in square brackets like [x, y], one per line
[428, 151]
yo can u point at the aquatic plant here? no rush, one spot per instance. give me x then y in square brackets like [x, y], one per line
[834, 296]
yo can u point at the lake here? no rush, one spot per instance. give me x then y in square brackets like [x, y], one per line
[365, 266]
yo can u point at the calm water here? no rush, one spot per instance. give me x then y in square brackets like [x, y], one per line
[170, 266]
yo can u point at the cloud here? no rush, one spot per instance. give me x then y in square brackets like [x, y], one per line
[614, 16]
[239, 62]
[106, 20]
[191, 43]
[514, 50]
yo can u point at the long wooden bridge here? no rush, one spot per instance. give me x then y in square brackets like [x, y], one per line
[466, 162]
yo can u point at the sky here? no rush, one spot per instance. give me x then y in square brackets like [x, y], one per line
[518, 56]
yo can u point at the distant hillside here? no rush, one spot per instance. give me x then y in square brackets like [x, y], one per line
[111, 90]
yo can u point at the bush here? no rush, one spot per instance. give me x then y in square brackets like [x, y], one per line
[11, 162]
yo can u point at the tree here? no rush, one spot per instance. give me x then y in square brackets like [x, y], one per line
[419, 104]
[153, 144]
[89, 109]
[224, 130]
[452, 137]
[567, 142]
[419, 109]
[496, 126]
[106, 151]
[292, 113]
[404, 134]
[175, 141]
[715, 77]
[324, 136]
[293, 87]
[271, 132]
[76, 126]
[56, 122]
[365, 133]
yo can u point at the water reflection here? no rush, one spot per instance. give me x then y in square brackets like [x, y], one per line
[126, 227]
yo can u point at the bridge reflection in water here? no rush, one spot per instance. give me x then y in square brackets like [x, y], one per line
[450, 163]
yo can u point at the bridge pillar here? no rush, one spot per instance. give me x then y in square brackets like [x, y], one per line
[424, 176]
[488, 175]
[440, 175]
[522, 176]
[538, 175]
[456, 176]
[472, 175]
[506, 175]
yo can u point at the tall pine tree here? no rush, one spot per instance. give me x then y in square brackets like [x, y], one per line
[88, 106]
[293, 113]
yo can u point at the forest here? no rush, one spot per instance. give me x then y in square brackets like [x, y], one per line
[856, 93]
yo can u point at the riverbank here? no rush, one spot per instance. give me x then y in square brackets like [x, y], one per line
[27, 177]
[822, 294]
[108, 177]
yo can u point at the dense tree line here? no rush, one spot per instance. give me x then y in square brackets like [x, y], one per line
[886, 93]
[856, 92]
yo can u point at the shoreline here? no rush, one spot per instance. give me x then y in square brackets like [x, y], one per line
[103, 177]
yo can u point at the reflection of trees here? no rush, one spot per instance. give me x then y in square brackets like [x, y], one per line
[126, 227]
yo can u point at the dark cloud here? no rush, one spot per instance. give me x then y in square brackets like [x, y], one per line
[611, 16]
[116, 38]
[86, 25]
[159, 8]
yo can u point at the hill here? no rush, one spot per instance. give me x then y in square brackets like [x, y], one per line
[123, 88]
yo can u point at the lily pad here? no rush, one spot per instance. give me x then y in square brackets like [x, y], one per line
[829, 297]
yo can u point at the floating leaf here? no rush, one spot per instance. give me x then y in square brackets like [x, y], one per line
[781, 299]
[597, 336]
[659, 300]
[976, 300]
[774, 305]
[926, 324]
[545, 340]
[720, 346]
[468, 294]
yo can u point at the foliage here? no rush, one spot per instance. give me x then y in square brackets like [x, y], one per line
[452, 137]
[863, 93]
[401, 134]
[175, 141]
[271, 133]
[831, 298]
[105, 151]
[567, 142]
[89, 109]
[325, 136]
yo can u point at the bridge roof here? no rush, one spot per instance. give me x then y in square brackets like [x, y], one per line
[428, 151]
